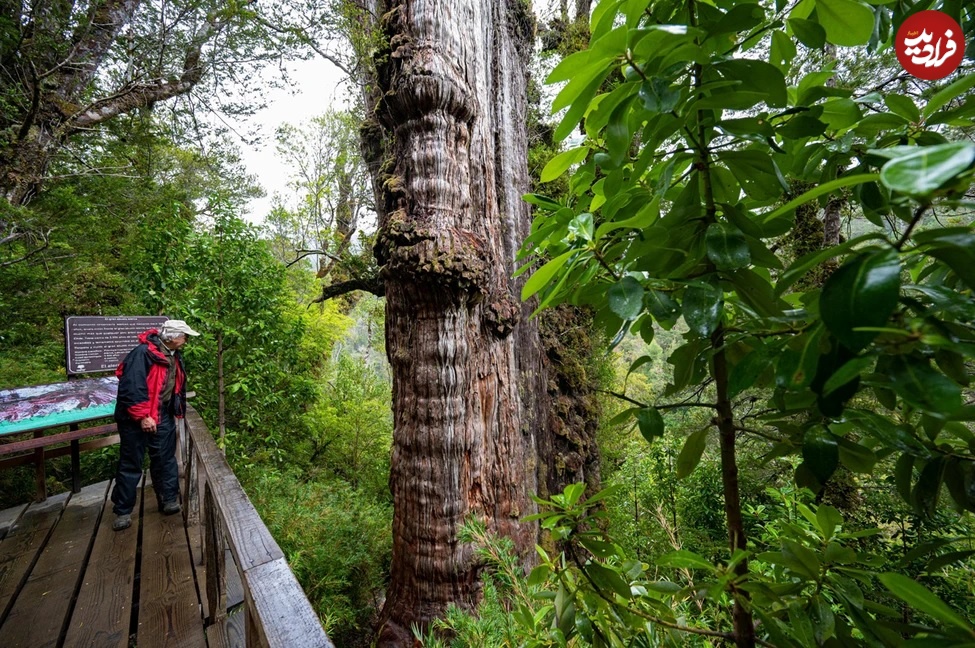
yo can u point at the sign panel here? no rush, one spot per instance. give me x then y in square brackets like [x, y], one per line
[99, 343]
[31, 408]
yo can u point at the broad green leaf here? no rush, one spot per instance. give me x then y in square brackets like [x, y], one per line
[952, 91]
[840, 113]
[691, 453]
[626, 298]
[805, 263]
[727, 246]
[862, 293]
[569, 66]
[756, 172]
[903, 106]
[747, 370]
[580, 104]
[703, 305]
[561, 162]
[541, 277]
[857, 458]
[757, 74]
[924, 387]
[927, 490]
[821, 190]
[846, 373]
[809, 33]
[663, 308]
[828, 519]
[783, 51]
[683, 559]
[847, 22]
[921, 598]
[658, 96]
[650, 422]
[796, 366]
[820, 452]
[960, 480]
[929, 168]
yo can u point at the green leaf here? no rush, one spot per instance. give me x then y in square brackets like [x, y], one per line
[841, 113]
[960, 480]
[809, 33]
[658, 96]
[783, 50]
[863, 292]
[650, 422]
[663, 308]
[952, 91]
[608, 580]
[744, 374]
[683, 559]
[796, 367]
[903, 106]
[821, 190]
[626, 298]
[541, 277]
[928, 169]
[828, 519]
[755, 171]
[561, 162]
[757, 74]
[924, 387]
[820, 451]
[847, 22]
[703, 306]
[691, 453]
[727, 246]
[846, 373]
[857, 458]
[921, 598]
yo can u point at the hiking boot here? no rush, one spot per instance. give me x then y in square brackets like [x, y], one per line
[122, 522]
[169, 508]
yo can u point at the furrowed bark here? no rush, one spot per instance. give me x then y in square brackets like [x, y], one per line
[448, 150]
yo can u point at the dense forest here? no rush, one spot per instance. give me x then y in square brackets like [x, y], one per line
[624, 323]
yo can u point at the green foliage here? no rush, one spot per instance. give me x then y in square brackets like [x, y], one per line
[680, 192]
[337, 542]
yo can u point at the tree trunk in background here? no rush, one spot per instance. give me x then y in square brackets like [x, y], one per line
[448, 152]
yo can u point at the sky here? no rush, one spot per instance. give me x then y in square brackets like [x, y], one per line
[315, 88]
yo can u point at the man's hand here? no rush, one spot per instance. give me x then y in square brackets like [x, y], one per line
[149, 424]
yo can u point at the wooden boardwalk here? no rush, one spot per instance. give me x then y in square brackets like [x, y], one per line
[67, 579]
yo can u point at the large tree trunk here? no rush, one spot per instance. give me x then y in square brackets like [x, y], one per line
[468, 383]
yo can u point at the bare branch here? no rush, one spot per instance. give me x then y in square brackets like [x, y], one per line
[374, 285]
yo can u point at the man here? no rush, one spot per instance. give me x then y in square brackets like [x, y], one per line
[151, 396]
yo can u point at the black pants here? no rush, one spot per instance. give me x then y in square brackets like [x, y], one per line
[162, 462]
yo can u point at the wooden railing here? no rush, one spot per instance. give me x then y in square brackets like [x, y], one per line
[251, 595]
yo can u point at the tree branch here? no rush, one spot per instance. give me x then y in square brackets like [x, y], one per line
[373, 285]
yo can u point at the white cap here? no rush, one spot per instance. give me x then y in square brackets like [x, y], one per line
[178, 326]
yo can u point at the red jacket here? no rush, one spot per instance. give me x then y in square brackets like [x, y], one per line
[142, 377]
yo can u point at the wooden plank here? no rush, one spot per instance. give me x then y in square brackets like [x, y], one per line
[9, 517]
[104, 607]
[228, 632]
[283, 616]
[51, 453]
[169, 609]
[23, 545]
[51, 439]
[40, 613]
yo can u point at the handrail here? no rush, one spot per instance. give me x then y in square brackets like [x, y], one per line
[277, 612]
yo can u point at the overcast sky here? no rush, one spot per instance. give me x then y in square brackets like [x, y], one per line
[315, 89]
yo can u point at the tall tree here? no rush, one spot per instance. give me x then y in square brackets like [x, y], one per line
[447, 148]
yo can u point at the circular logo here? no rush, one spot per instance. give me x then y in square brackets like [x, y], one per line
[930, 45]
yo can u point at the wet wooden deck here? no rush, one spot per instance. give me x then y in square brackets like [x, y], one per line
[67, 579]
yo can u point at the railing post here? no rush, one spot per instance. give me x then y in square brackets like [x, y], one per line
[216, 566]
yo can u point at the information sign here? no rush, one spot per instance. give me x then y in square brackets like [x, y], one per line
[96, 344]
